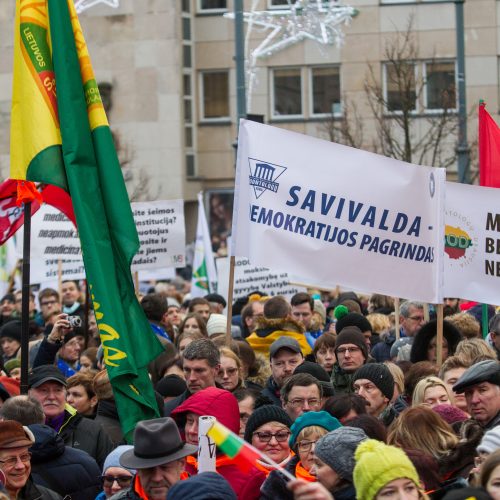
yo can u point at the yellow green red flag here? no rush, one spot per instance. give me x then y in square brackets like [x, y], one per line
[60, 135]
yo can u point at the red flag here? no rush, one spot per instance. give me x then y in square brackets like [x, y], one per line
[489, 149]
[11, 215]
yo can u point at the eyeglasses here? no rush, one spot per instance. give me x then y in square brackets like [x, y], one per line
[123, 481]
[416, 318]
[12, 461]
[48, 303]
[305, 445]
[343, 350]
[265, 437]
[299, 403]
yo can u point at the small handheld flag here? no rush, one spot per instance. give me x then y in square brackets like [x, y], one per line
[244, 454]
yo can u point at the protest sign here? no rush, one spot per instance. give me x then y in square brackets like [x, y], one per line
[249, 278]
[161, 229]
[338, 215]
[160, 226]
[472, 243]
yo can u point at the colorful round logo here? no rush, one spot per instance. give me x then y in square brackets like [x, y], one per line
[456, 243]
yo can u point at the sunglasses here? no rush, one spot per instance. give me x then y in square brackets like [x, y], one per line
[123, 481]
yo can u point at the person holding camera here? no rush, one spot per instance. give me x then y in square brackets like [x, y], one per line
[62, 346]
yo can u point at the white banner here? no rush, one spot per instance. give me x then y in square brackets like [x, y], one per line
[160, 225]
[472, 243]
[249, 278]
[338, 215]
[161, 229]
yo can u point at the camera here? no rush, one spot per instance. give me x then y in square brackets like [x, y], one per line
[75, 321]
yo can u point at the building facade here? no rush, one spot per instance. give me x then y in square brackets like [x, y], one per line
[167, 69]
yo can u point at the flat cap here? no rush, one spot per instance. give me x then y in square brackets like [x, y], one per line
[484, 371]
[284, 343]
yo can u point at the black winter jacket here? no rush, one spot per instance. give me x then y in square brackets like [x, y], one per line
[31, 491]
[63, 469]
[85, 434]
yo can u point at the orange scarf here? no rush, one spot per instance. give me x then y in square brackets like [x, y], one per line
[301, 473]
[219, 462]
[139, 489]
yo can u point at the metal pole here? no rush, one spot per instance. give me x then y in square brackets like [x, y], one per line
[239, 59]
[25, 311]
[462, 147]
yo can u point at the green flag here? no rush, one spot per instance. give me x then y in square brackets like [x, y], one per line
[104, 218]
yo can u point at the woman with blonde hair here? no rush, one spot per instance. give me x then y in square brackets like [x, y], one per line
[230, 376]
[431, 391]
[471, 349]
[420, 428]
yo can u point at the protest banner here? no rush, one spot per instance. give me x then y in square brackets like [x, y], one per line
[160, 225]
[161, 229]
[338, 215]
[472, 243]
[249, 278]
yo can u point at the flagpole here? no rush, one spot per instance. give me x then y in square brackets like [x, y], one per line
[396, 318]
[230, 301]
[25, 311]
[439, 336]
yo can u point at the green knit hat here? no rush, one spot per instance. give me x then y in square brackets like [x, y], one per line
[378, 464]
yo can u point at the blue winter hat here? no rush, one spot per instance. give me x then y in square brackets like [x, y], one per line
[113, 459]
[204, 486]
[309, 418]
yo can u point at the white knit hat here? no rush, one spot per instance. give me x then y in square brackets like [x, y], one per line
[216, 324]
[490, 441]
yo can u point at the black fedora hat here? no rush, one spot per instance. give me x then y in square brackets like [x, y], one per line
[156, 442]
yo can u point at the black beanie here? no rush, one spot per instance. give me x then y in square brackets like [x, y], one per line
[380, 375]
[318, 373]
[12, 330]
[170, 386]
[353, 319]
[352, 335]
[264, 415]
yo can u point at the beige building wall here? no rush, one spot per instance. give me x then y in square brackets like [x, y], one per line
[138, 48]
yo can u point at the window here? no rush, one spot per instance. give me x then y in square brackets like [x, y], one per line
[212, 5]
[185, 6]
[215, 92]
[273, 4]
[186, 28]
[287, 92]
[440, 87]
[325, 84]
[400, 86]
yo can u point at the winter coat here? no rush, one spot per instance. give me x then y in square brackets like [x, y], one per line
[269, 330]
[85, 434]
[107, 417]
[382, 350]
[492, 423]
[272, 392]
[222, 405]
[63, 469]
[274, 487]
[171, 405]
[341, 381]
[32, 491]
[424, 336]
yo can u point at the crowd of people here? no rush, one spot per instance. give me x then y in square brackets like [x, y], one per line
[321, 384]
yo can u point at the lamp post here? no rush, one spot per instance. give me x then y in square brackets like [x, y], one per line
[462, 146]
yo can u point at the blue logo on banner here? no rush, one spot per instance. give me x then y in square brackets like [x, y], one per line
[263, 176]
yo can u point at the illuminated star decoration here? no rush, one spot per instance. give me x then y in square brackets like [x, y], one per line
[316, 20]
[81, 5]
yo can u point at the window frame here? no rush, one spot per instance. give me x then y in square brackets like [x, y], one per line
[311, 113]
[219, 119]
[388, 111]
[438, 111]
[278, 117]
[201, 10]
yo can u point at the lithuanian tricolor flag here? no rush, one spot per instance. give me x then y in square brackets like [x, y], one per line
[234, 447]
[60, 135]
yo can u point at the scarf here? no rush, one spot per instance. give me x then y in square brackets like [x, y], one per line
[301, 473]
[268, 468]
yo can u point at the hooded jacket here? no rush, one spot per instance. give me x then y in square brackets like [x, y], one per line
[269, 330]
[63, 469]
[222, 405]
